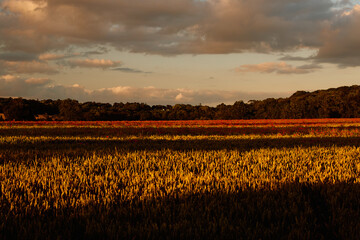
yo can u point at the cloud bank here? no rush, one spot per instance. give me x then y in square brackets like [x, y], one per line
[184, 26]
[41, 88]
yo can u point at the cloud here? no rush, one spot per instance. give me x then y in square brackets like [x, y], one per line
[341, 40]
[182, 27]
[37, 81]
[9, 78]
[128, 70]
[51, 56]
[295, 58]
[98, 51]
[277, 67]
[26, 67]
[17, 56]
[93, 63]
[165, 27]
[14, 86]
[179, 97]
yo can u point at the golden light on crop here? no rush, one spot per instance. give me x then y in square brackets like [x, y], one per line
[139, 184]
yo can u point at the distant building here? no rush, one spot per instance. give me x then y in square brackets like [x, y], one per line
[47, 117]
[42, 117]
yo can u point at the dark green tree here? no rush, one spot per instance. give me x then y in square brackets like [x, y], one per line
[70, 110]
[18, 109]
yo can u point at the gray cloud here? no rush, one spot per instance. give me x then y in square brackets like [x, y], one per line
[295, 58]
[166, 27]
[17, 56]
[310, 67]
[98, 51]
[183, 26]
[341, 40]
[128, 70]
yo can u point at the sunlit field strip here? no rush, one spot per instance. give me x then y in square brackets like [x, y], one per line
[252, 169]
[23, 139]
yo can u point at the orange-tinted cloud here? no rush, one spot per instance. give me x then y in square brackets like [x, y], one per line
[26, 67]
[277, 67]
[93, 63]
[51, 56]
[37, 81]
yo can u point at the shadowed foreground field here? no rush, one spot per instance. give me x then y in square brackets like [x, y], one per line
[144, 186]
[294, 211]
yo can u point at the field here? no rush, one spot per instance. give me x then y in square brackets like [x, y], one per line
[241, 179]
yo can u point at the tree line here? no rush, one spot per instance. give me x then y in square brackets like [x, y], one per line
[342, 102]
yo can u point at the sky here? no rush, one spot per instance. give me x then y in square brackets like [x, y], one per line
[180, 51]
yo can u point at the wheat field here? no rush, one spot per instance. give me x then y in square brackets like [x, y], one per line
[258, 179]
